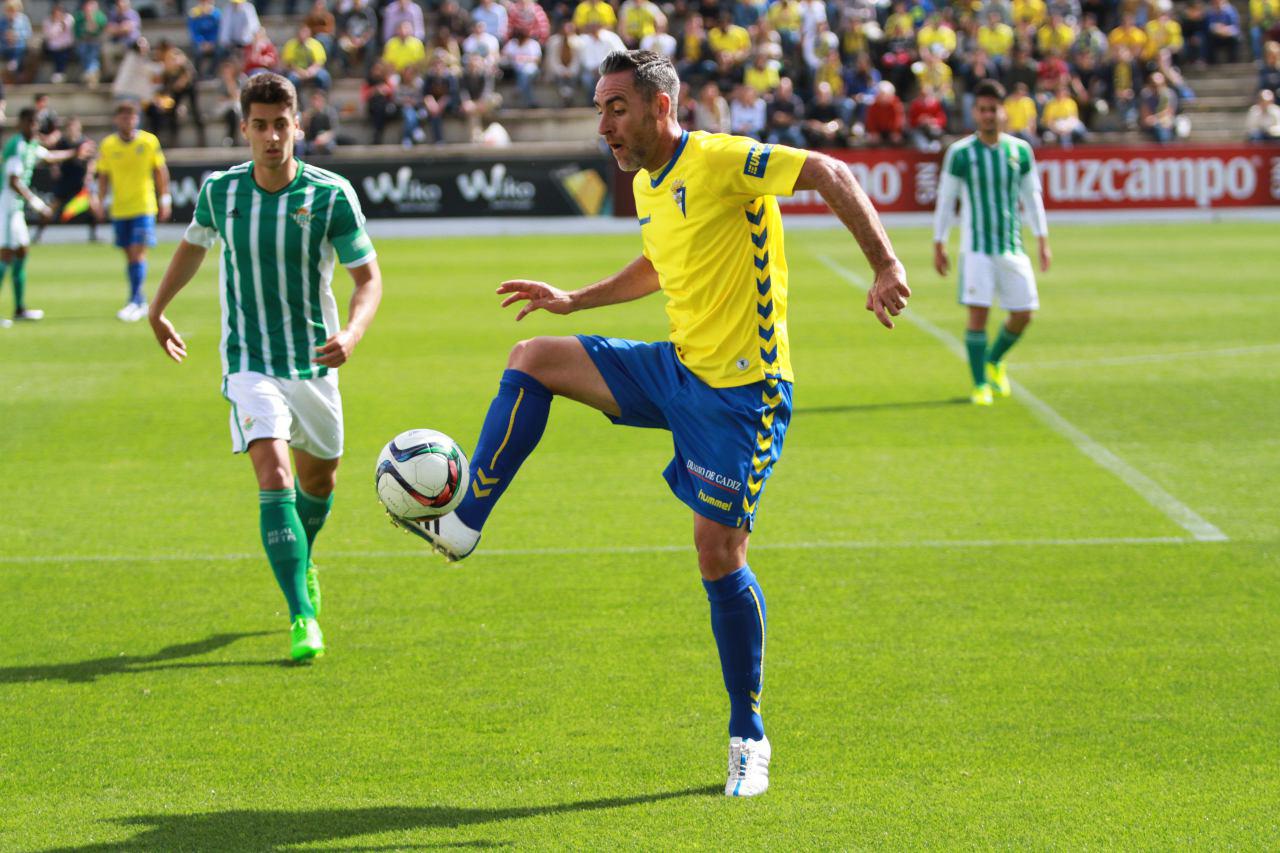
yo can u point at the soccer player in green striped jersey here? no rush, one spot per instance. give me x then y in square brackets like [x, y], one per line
[992, 175]
[282, 222]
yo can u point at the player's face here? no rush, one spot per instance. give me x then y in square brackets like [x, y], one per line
[27, 127]
[126, 123]
[988, 115]
[271, 130]
[628, 124]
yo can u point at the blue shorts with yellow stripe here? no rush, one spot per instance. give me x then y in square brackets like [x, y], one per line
[726, 439]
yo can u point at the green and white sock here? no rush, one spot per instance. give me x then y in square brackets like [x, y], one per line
[1004, 342]
[313, 512]
[19, 283]
[976, 344]
[285, 541]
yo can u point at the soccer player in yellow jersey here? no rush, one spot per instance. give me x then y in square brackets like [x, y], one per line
[712, 237]
[131, 165]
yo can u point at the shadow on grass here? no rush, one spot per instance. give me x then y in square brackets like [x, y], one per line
[873, 407]
[274, 830]
[87, 671]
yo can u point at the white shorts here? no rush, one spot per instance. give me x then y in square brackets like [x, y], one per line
[307, 413]
[13, 229]
[982, 277]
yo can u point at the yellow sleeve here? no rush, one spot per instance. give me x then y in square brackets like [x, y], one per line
[741, 166]
[157, 155]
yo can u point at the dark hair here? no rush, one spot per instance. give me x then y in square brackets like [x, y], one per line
[268, 88]
[126, 107]
[653, 72]
[27, 114]
[989, 89]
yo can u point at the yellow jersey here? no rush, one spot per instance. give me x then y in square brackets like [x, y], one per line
[131, 166]
[710, 225]
[1060, 108]
[1019, 112]
[997, 41]
[401, 53]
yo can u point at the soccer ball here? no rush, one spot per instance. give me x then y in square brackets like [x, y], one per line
[421, 474]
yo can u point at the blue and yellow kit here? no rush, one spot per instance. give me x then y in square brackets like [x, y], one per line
[710, 225]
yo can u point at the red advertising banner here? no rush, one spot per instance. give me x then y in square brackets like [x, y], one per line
[1089, 178]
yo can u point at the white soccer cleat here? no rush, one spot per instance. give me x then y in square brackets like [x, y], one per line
[446, 535]
[130, 313]
[748, 767]
[28, 315]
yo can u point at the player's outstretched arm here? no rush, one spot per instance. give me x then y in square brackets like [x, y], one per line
[637, 279]
[835, 183]
[182, 268]
[364, 304]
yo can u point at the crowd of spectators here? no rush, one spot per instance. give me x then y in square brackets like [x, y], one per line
[801, 72]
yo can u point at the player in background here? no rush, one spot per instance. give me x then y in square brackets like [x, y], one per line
[991, 174]
[21, 153]
[712, 243]
[282, 222]
[131, 165]
[71, 183]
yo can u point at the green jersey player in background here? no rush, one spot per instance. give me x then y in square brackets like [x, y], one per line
[281, 222]
[21, 153]
[990, 173]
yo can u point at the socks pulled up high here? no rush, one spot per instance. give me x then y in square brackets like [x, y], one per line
[738, 619]
[137, 272]
[976, 345]
[19, 283]
[512, 428]
[285, 541]
[312, 512]
[1004, 342]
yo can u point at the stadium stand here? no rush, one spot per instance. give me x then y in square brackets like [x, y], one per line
[410, 74]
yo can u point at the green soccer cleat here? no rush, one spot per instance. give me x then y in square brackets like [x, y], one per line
[998, 378]
[307, 641]
[313, 586]
[981, 396]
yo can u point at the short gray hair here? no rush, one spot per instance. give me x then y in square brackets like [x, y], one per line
[652, 71]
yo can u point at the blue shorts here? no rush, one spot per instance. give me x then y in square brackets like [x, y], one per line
[726, 439]
[138, 231]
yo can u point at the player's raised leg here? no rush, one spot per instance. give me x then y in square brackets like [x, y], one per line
[285, 541]
[975, 343]
[537, 370]
[738, 620]
[317, 479]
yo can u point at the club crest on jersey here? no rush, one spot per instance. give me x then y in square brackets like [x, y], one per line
[302, 216]
[677, 193]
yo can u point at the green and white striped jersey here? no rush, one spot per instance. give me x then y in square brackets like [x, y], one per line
[20, 158]
[277, 264]
[990, 181]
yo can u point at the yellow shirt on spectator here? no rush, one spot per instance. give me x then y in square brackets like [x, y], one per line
[1161, 35]
[733, 39]
[1264, 12]
[938, 76]
[831, 75]
[997, 41]
[900, 26]
[402, 53]
[929, 36]
[1133, 38]
[594, 12]
[131, 166]
[1030, 11]
[786, 18]
[640, 20]
[1059, 108]
[763, 80]
[1059, 38]
[302, 55]
[1020, 112]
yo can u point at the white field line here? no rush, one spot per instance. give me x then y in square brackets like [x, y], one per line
[1150, 491]
[1151, 357]
[936, 544]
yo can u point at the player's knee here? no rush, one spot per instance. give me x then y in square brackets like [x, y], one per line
[274, 478]
[719, 554]
[319, 485]
[531, 356]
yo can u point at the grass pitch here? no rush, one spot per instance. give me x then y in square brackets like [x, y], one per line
[979, 636]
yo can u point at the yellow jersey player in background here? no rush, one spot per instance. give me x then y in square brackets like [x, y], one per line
[712, 237]
[131, 165]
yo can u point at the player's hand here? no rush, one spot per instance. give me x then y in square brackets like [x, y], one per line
[941, 262]
[46, 216]
[95, 207]
[888, 294]
[1046, 256]
[166, 211]
[538, 294]
[170, 341]
[337, 349]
